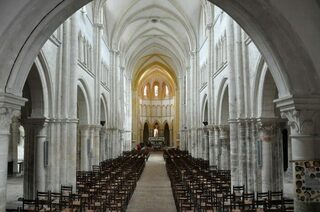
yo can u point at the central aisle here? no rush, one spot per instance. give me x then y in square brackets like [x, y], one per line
[153, 191]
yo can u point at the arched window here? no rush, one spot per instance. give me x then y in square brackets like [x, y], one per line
[156, 90]
[167, 91]
[145, 91]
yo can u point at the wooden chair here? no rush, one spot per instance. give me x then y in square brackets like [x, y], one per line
[29, 205]
[262, 200]
[55, 201]
[248, 202]
[44, 200]
[276, 201]
[227, 202]
[288, 205]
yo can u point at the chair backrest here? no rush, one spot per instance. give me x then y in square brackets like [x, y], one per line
[66, 190]
[43, 196]
[262, 195]
[289, 205]
[276, 195]
[238, 190]
[248, 196]
[28, 204]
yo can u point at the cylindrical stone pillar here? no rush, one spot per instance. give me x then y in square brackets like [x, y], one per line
[6, 115]
[205, 132]
[85, 142]
[267, 136]
[225, 150]
[212, 153]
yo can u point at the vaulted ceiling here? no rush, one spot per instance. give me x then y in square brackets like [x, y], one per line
[149, 31]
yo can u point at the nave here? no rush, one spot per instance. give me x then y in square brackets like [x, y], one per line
[153, 191]
[142, 181]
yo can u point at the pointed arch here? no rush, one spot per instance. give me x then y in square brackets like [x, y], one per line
[204, 108]
[104, 110]
[46, 81]
[221, 91]
[84, 103]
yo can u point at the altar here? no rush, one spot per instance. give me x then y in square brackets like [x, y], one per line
[156, 142]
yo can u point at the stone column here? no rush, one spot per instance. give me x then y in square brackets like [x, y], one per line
[96, 145]
[225, 150]
[103, 139]
[113, 142]
[255, 172]
[91, 146]
[9, 107]
[182, 140]
[212, 153]
[41, 169]
[6, 115]
[267, 137]
[205, 145]
[13, 146]
[85, 146]
[233, 102]
[194, 143]
[217, 146]
[251, 161]
[190, 143]
[71, 156]
[242, 152]
[35, 171]
[304, 125]
[108, 144]
[199, 144]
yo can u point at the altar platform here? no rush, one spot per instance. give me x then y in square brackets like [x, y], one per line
[157, 142]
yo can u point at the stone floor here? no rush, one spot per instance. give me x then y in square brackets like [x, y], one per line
[153, 191]
[14, 192]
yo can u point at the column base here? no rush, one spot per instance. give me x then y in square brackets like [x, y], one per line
[306, 206]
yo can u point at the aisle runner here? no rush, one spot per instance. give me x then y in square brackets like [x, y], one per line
[153, 192]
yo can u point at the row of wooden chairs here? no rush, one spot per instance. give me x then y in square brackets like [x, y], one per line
[108, 187]
[198, 187]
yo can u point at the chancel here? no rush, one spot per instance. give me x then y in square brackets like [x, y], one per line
[155, 132]
[144, 105]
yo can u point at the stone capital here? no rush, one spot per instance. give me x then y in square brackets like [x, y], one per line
[209, 26]
[216, 128]
[84, 128]
[103, 130]
[302, 122]
[36, 121]
[205, 129]
[223, 128]
[210, 127]
[302, 113]
[10, 107]
[267, 128]
[224, 131]
[193, 53]
[98, 25]
[115, 51]
[6, 115]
